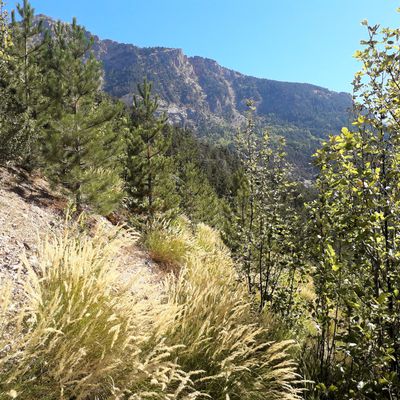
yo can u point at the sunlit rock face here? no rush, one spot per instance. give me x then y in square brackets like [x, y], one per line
[199, 93]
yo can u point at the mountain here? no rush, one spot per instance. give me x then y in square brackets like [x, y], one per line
[199, 93]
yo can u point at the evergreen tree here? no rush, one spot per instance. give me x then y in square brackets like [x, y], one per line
[198, 199]
[81, 146]
[219, 163]
[26, 80]
[148, 174]
[21, 86]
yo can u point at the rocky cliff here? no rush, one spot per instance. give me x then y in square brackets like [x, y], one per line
[199, 93]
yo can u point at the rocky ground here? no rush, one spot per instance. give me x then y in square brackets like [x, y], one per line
[29, 210]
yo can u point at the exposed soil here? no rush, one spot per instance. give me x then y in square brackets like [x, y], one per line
[30, 210]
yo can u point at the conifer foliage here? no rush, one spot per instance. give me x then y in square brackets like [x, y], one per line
[81, 143]
[53, 112]
[21, 85]
[148, 170]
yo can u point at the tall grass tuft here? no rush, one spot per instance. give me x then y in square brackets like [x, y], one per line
[79, 334]
[169, 243]
[215, 324]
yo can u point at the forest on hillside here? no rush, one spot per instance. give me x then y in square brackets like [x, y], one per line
[272, 290]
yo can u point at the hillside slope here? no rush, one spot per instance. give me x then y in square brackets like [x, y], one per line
[30, 210]
[197, 90]
[199, 93]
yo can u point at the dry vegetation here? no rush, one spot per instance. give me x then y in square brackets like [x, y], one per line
[216, 325]
[82, 333]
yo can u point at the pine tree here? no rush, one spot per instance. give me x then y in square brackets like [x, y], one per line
[81, 147]
[198, 199]
[148, 171]
[26, 81]
[21, 85]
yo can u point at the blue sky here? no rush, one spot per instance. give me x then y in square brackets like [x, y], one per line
[289, 40]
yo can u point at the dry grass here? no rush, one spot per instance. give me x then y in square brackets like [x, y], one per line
[215, 325]
[76, 336]
[81, 334]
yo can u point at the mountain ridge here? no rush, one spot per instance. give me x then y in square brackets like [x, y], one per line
[179, 49]
[199, 93]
